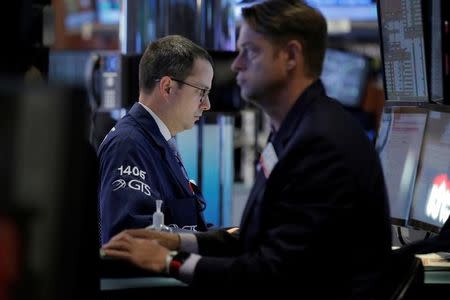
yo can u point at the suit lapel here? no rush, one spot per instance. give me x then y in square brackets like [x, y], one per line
[148, 124]
[256, 193]
[295, 116]
[280, 143]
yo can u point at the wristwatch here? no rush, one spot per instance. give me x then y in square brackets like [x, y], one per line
[174, 261]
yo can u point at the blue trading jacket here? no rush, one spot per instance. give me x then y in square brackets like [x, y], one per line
[138, 167]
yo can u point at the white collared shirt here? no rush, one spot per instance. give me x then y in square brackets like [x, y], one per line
[162, 127]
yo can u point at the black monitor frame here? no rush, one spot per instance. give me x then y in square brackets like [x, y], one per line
[434, 34]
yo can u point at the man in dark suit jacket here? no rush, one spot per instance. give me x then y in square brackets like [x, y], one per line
[316, 220]
[138, 164]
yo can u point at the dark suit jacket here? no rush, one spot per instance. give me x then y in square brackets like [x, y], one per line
[138, 167]
[319, 223]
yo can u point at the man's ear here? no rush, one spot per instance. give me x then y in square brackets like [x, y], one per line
[294, 54]
[165, 86]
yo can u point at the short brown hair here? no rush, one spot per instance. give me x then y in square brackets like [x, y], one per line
[282, 20]
[172, 56]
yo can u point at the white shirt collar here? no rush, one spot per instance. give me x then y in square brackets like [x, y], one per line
[162, 127]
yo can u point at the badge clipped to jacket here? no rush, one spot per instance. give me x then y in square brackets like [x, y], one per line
[268, 160]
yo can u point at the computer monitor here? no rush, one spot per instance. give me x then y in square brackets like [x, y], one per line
[108, 12]
[68, 67]
[78, 13]
[345, 75]
[403, 50]
[431, 201]
[398, 144]
[353, 10]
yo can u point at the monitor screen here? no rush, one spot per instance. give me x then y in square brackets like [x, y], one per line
[78, 13]
[68, 67]
[431, 201]
[108, 12]
[403, 50]
[398, 144]
[354, 10]
[345, 76]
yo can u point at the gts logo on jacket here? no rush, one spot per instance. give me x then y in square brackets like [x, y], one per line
[135, 184]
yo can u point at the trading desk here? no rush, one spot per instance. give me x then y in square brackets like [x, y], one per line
[437, 269]
[121, 280]
[121, 276]
[111, 284]
[437, 276]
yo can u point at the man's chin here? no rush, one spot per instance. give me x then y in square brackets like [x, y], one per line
[246, 96]
[192, 125]
[249, 97]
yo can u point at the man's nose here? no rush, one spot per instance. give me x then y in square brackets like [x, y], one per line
[237, 64]
[205, 105]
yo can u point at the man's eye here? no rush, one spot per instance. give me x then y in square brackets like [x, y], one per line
[251, 53]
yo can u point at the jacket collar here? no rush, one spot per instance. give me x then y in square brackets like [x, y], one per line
[148, 124]
[295, 115]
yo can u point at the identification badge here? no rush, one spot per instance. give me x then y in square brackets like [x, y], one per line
[268, 159]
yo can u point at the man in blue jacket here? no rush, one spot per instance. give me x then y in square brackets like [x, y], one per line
[316, 221]
[138, 159]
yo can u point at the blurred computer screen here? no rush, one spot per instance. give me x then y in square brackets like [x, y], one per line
[353, 10]
[403, 50]
[431, 201]
[108, 11]
[345, 75]
[398, 144]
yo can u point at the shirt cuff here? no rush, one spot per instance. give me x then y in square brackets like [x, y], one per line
[188, 242]
[186, 272]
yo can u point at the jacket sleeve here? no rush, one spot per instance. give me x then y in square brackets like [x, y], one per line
[128, 187]
[219, 242]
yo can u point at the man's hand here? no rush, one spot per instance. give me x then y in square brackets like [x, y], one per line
[169, 240]
[146, 252]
